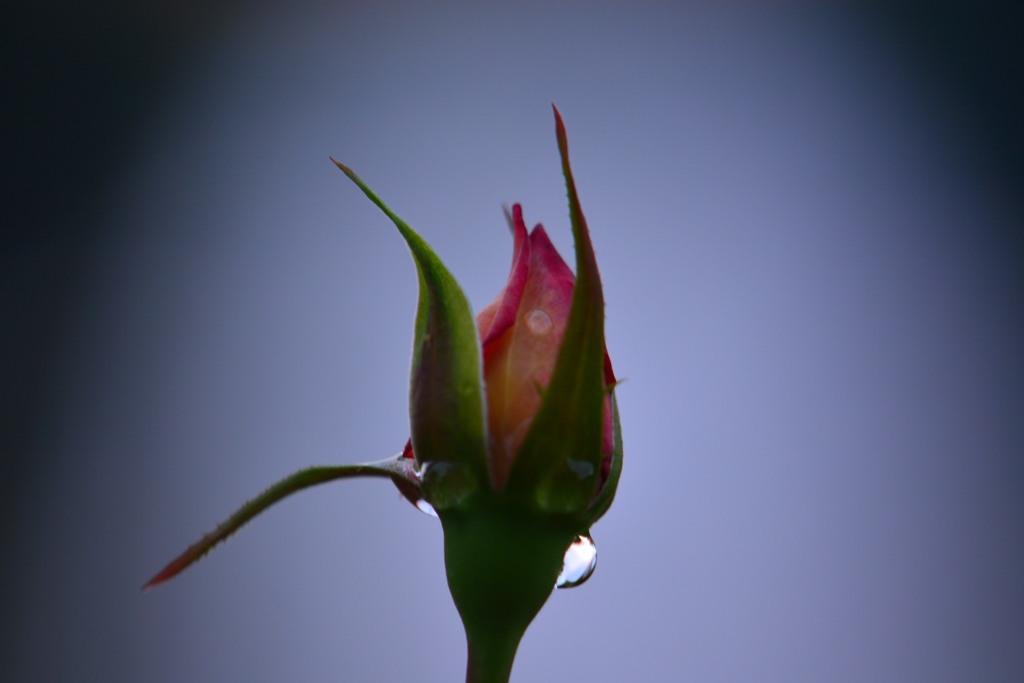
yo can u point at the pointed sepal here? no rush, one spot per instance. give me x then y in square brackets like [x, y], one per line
[446, 394]
[559, 462]
[398, 469]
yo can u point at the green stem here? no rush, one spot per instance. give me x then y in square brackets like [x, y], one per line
[502, 561]
[491, 657]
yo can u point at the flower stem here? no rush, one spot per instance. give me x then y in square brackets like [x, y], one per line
[502, 561]
[490, 658]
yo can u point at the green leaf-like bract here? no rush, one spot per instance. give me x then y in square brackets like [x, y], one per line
[446, 394]
[559, 461]
[398, 469]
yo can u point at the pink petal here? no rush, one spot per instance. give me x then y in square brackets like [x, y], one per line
[501, 313]
[519, 360]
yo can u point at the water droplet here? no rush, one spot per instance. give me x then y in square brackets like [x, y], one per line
[538, 321]
[421, 503]
[581, 468]
[579, 563]
[425, 507]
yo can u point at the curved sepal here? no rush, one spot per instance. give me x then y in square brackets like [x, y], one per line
[398, 469]
[560, 458]
[446, 395]
[606, 494]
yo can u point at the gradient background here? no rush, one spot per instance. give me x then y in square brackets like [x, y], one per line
[809, 226]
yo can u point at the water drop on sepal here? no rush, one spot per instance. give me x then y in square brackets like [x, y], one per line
[426, 508]
[579, 562]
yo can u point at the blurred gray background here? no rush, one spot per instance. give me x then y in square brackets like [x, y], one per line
[809, 226]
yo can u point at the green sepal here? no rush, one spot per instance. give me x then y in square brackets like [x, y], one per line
[559, 461]
[446, 395]
[606, 494]
[398, 469]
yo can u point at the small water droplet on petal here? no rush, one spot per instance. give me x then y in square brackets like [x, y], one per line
[538, 321]
[578, 564]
